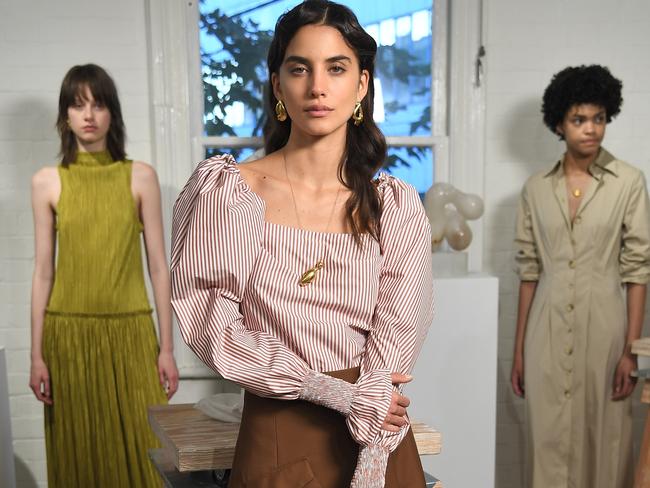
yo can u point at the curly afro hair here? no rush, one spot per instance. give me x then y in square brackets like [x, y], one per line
[592, 84]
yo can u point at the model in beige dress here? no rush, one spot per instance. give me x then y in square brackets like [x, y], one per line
[583, 257]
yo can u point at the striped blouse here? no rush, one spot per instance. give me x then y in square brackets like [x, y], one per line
[236, 293]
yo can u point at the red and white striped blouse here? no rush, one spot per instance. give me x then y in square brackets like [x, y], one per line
[236, 293]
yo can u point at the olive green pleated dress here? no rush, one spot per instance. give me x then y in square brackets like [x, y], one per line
[99, 341]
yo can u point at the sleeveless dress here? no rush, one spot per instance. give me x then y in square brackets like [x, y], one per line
[99, 341]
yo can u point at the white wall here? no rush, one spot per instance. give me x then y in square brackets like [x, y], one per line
[527, 41]
[39, 41]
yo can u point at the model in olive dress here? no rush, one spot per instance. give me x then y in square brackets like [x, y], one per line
[96, 363]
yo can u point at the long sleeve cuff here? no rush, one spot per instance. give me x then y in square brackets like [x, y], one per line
[371, 467]
[328, 392]
[370, 406]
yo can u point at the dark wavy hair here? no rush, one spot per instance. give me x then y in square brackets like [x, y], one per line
[577, 85]
[104, 91]
[365, 147]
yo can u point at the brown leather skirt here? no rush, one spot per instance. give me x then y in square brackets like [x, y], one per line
[296, 444]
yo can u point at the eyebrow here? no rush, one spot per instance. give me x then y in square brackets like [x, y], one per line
[578, 114]
[301, 60]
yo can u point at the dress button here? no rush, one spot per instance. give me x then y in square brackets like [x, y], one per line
[572, 264]
[567, 394]
[569, 307]
[569, 351]
[570, 330]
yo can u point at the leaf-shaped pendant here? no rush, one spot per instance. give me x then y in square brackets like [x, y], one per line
[310, 275]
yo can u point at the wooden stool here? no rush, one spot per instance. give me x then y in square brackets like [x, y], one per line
[642, 477]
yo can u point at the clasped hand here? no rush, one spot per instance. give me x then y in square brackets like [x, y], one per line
[396, 417]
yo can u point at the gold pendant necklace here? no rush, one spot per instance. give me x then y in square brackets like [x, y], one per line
[309, 276]
[576, 192]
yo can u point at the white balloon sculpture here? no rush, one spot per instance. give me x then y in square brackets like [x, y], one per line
[448, 209]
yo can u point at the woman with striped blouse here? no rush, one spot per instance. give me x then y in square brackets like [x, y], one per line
[304, 279]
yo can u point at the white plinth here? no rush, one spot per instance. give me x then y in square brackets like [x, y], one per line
[455, 383]
[7, 470]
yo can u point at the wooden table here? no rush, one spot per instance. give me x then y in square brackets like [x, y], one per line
[642, 477]
[193, 442]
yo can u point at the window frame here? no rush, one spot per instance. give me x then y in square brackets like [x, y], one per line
[437, 141]
[176, 92]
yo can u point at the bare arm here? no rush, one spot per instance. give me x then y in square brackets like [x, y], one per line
[526, 295]
[147, 191]
[45, 190]
[623, 382]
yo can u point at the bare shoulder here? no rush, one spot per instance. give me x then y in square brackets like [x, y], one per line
[46, 187]
[143, 177]
[261, 172]
[46, 180]
[143, 171]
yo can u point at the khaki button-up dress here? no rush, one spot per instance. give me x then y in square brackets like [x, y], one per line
[576, 331]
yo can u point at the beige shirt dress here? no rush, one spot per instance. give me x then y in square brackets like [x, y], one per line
[576, 332]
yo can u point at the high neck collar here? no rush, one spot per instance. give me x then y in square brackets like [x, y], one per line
[100, 158]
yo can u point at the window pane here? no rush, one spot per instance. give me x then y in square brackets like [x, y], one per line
[415, 165]
[234, 39]
[239, 153]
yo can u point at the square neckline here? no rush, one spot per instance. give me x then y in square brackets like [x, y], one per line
[246, 186]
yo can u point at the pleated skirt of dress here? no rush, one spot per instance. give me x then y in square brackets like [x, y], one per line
[103, 373]
[297, 444]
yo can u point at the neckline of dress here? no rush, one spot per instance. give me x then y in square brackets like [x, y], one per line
[94, 159]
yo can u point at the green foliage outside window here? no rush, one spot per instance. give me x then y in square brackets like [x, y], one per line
[237, 73]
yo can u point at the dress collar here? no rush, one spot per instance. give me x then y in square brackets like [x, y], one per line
[605, 162]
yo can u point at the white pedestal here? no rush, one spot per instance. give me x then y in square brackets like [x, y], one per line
[455, 383]
[7, 470]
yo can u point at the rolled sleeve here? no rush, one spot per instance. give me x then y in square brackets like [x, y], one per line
[527, 261]
[634, 262]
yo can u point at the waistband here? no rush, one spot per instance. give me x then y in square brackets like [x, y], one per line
[101, 315]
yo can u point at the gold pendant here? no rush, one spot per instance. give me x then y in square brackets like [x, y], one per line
[310, 275]
[577, 192]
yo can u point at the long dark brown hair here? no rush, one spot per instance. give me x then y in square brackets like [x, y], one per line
[103, 89]
[365, 147]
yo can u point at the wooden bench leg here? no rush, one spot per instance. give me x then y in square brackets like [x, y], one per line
[642, 477]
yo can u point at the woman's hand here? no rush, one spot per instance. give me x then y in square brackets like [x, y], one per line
[624, 383]
[396, 417]
[39, 381]
[517, 375]
[168, 373]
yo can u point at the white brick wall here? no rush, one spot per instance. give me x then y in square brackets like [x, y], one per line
[39, 41]
[527, 41]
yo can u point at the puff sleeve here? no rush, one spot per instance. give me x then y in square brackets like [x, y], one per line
[403, 314]
[634, 261]
[216, 236]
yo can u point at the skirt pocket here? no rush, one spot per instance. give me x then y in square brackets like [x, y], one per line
[297, 474]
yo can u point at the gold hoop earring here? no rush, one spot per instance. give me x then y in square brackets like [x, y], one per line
[280, 111]
[357, 114]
